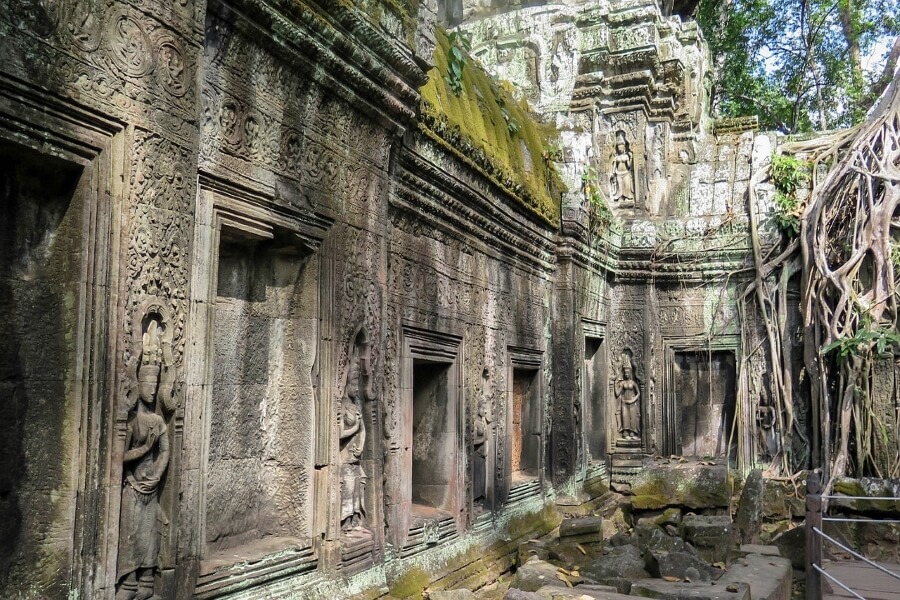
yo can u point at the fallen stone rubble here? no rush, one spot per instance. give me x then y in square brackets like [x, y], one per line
[696, 557]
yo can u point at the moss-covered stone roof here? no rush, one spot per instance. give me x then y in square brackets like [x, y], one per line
[475, 126]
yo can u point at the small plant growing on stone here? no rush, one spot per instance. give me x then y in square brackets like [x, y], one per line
[456, 61]
[790, 175]
[553, 152]
[511, 124]
[601, 215]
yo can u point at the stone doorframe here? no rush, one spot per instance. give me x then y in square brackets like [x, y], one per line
[594, 330]
[441, 348]
[533, 360]
[667, 441]
[64, 130]
[221, 206]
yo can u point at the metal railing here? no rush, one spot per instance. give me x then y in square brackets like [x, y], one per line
[816, 517]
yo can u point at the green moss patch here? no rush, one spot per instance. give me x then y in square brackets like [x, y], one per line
[533, 523]
[490, 130]
[406, 11]
[411, 584]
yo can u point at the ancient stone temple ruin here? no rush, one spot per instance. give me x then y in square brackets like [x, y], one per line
[289, 310]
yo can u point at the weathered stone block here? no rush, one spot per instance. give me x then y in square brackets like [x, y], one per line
[669, 516]
[532, 549]
[769, 577]
[534, 575]
[712, 536]
[623, 562]
[581, 526]
[581, 592]
[774, 506]
[689, 485]
[669, 590]
[515, 594]
[651, 537]
[792, 545]
[461, 594]
[677, 564]
[569, 553]
[749, 514]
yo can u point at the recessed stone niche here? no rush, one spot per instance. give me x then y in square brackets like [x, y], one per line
[526, 425]
[259, 493]
[525, 418]
[429, 475]
[705, 388]
[43, 262]
[434, 436]
[593, 390]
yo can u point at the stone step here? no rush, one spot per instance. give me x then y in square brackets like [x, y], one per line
[769, 577]
[672, 590]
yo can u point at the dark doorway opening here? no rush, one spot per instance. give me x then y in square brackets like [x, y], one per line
[433, 436]
[705, 392]
[526, 425]
[594, 400]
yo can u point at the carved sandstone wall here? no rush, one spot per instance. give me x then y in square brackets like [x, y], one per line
[275, 326]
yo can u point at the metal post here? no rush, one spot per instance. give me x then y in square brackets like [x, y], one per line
[813, 540]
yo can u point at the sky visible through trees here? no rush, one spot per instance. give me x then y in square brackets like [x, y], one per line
[800, 65]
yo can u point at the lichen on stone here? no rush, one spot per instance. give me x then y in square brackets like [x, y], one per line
[475, 126]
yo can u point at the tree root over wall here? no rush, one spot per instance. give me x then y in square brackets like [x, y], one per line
[847, 254]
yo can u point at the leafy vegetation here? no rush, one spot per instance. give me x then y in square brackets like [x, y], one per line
[880, 339]
[800, 64]
[456, 61]
[601, 216]
[791, 177]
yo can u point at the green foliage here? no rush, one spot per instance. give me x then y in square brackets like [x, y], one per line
[601, 215]
[553, 151]
[511, 124]
[456, 61]
[880, 339]
[790, 176]
[798, 64]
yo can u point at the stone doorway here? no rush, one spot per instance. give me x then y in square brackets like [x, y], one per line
[434, 437]
[425, 478]
[259, 468]
[43, 258]
[594, 388]
[525, 451]
[705, 391]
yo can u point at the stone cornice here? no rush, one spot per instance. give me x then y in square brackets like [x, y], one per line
[426, 187]
[341, 50]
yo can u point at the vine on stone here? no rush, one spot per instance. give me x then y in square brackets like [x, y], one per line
[846, 257]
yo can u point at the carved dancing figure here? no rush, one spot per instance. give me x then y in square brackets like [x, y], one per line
[352, 442]
[622, 178]
[628, 394]
[145, 462]
[479, 463]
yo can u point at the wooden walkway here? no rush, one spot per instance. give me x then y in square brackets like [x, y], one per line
[865, 580]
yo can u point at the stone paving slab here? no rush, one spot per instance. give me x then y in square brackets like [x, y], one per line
[769, 577]
[671, 590]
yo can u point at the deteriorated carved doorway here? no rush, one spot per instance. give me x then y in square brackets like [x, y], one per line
[705, 389]
[42, 261]
[433, 436]
[525, 450]
[593, 387]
